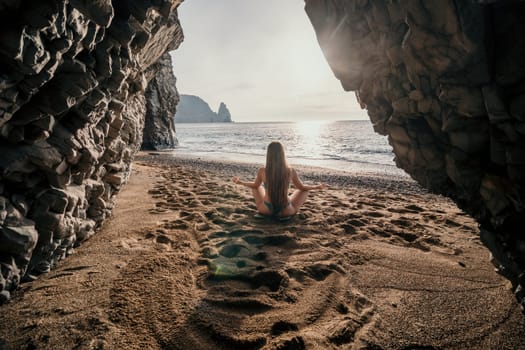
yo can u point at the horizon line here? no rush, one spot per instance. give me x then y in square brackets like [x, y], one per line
[280, 121]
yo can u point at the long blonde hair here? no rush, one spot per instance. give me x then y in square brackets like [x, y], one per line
[277, 175]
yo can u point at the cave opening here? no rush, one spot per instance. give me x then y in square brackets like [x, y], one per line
[262, 60]
[270, 71]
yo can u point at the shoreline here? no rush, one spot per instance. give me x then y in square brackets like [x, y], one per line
[313, 173]
[356, 167]
[370, 263]
[321, 144]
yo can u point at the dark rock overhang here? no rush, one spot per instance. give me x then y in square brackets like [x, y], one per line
[445, 80]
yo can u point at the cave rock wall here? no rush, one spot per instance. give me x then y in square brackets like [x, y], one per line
[162, 98]
[445, 80]
[72, 79]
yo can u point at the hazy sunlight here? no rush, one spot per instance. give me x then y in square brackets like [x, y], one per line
[266, 65]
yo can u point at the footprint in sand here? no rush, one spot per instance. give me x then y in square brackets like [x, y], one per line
[411, 209]
[272, 289]
[356, 223]
[401, 222]
[279, 285]
[374, 214]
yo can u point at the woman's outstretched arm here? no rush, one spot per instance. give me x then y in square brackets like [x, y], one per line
[300, 186]
[255, 184]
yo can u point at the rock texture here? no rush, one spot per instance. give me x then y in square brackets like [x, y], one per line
[223, 114]
[161, 104]
[445, 80]
[193, 109]
[72, 104]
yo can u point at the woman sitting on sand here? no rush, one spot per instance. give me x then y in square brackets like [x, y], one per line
[270, 188]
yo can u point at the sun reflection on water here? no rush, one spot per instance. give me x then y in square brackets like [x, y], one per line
[310, 136]
[332, 144]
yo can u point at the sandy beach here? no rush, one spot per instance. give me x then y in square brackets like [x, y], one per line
[371, 262]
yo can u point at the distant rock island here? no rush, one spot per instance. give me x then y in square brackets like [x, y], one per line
[193, 109]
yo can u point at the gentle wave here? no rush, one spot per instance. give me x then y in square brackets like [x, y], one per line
[337, 144]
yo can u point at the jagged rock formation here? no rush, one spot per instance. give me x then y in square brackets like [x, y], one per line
[161, 104]
[193, 109]
[72, 105]
[223, 114]
[445, 80]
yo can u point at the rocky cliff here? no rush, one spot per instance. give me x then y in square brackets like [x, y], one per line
[161, 104]
[72, 105]
[193, 109]
[445, 80]
[223, 114]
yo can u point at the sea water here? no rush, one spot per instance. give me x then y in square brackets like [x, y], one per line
[340, 145]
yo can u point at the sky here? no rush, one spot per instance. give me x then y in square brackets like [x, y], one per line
[262, 59]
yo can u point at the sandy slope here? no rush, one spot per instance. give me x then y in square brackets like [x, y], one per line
[183, 264]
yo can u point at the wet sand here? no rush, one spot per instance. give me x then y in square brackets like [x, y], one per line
[370, 263]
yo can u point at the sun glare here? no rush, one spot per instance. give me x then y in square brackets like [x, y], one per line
[310, 128]
[310, 134]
